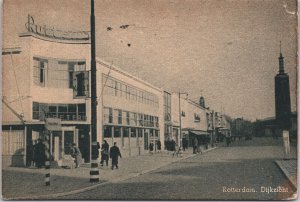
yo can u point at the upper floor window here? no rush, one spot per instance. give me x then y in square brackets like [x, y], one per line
[40, 65]
[57, 73]
[114, 87]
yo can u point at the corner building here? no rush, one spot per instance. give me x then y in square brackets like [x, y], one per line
[49, 77]
[45, 78]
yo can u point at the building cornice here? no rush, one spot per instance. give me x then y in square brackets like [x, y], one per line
[119, 70]
[55, 40]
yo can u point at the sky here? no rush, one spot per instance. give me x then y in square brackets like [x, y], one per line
[224, 50]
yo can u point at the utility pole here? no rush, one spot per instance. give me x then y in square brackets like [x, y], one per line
[94, 172]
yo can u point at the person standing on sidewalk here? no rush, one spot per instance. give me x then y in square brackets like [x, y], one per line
[104, 152]
[158, 146]
[195, 146]
[77, 155]
[151, 146]
[39, 154]
[114, 155]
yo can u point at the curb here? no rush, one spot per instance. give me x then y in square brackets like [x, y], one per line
[287, 174]
[49, 196]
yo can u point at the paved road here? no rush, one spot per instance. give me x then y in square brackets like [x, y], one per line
[225, 173]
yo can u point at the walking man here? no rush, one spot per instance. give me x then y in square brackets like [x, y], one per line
[114, 155]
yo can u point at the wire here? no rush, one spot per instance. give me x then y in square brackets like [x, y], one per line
[105, 80]
[12, 62]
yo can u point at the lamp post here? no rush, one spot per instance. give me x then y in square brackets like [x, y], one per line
[94, 172]
[180, 134]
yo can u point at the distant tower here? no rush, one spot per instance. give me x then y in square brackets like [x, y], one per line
[282, 96]
[202, 102]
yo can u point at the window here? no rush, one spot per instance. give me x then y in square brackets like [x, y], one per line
[40, 66]
[107, 131]
[81, 112]
[127, 118]
[140, 132]
[65, 112]
[119, 116]
[140, 120]
[35, 110]
[167, 106]
[196, 117]
[117, 131]
[126, 132]
[110, 115]
[133, 132]
[133, 119]
[58, 73]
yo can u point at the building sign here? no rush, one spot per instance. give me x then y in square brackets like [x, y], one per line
[54, 33]
[286, 144]
[53, 124]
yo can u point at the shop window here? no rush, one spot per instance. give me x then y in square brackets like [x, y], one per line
[117, 131]
[133, 132]
[107, 131]
[126, 132]
[140, 132]
[81, 112]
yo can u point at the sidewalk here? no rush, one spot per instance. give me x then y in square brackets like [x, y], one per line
[28, 183]
[289, 168]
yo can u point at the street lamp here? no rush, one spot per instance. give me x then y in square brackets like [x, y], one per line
[180, 134]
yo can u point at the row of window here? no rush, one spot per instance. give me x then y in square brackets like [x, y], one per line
[61, 74]
[65, 112]
[122, 117]
[115, 87]
[126, 132]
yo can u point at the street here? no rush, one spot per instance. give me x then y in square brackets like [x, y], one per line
[244, 172]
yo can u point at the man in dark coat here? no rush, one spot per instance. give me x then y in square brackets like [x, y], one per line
[114, 155]
[39, 154]
[195, 146]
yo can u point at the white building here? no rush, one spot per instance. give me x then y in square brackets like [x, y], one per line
[47, 76]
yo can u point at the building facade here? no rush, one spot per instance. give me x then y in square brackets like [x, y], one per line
[48, 76]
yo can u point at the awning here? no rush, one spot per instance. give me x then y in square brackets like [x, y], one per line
[199, 132]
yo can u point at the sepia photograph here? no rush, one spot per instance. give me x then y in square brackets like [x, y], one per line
[149, 100]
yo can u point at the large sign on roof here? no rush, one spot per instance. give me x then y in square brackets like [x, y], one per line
[55, 33]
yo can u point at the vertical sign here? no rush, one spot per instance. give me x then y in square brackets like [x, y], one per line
[286, 144]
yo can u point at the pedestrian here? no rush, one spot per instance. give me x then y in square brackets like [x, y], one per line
[158, 146]
[39, 154]
[104, 152]
[29, 154]
[151, 147]
[114, 155]
[184, 144]
[77, 155]
[195, 146]
[227, 140]
[34, 153]
[173, 145]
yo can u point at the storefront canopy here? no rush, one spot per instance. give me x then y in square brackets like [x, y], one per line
[199, 132]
